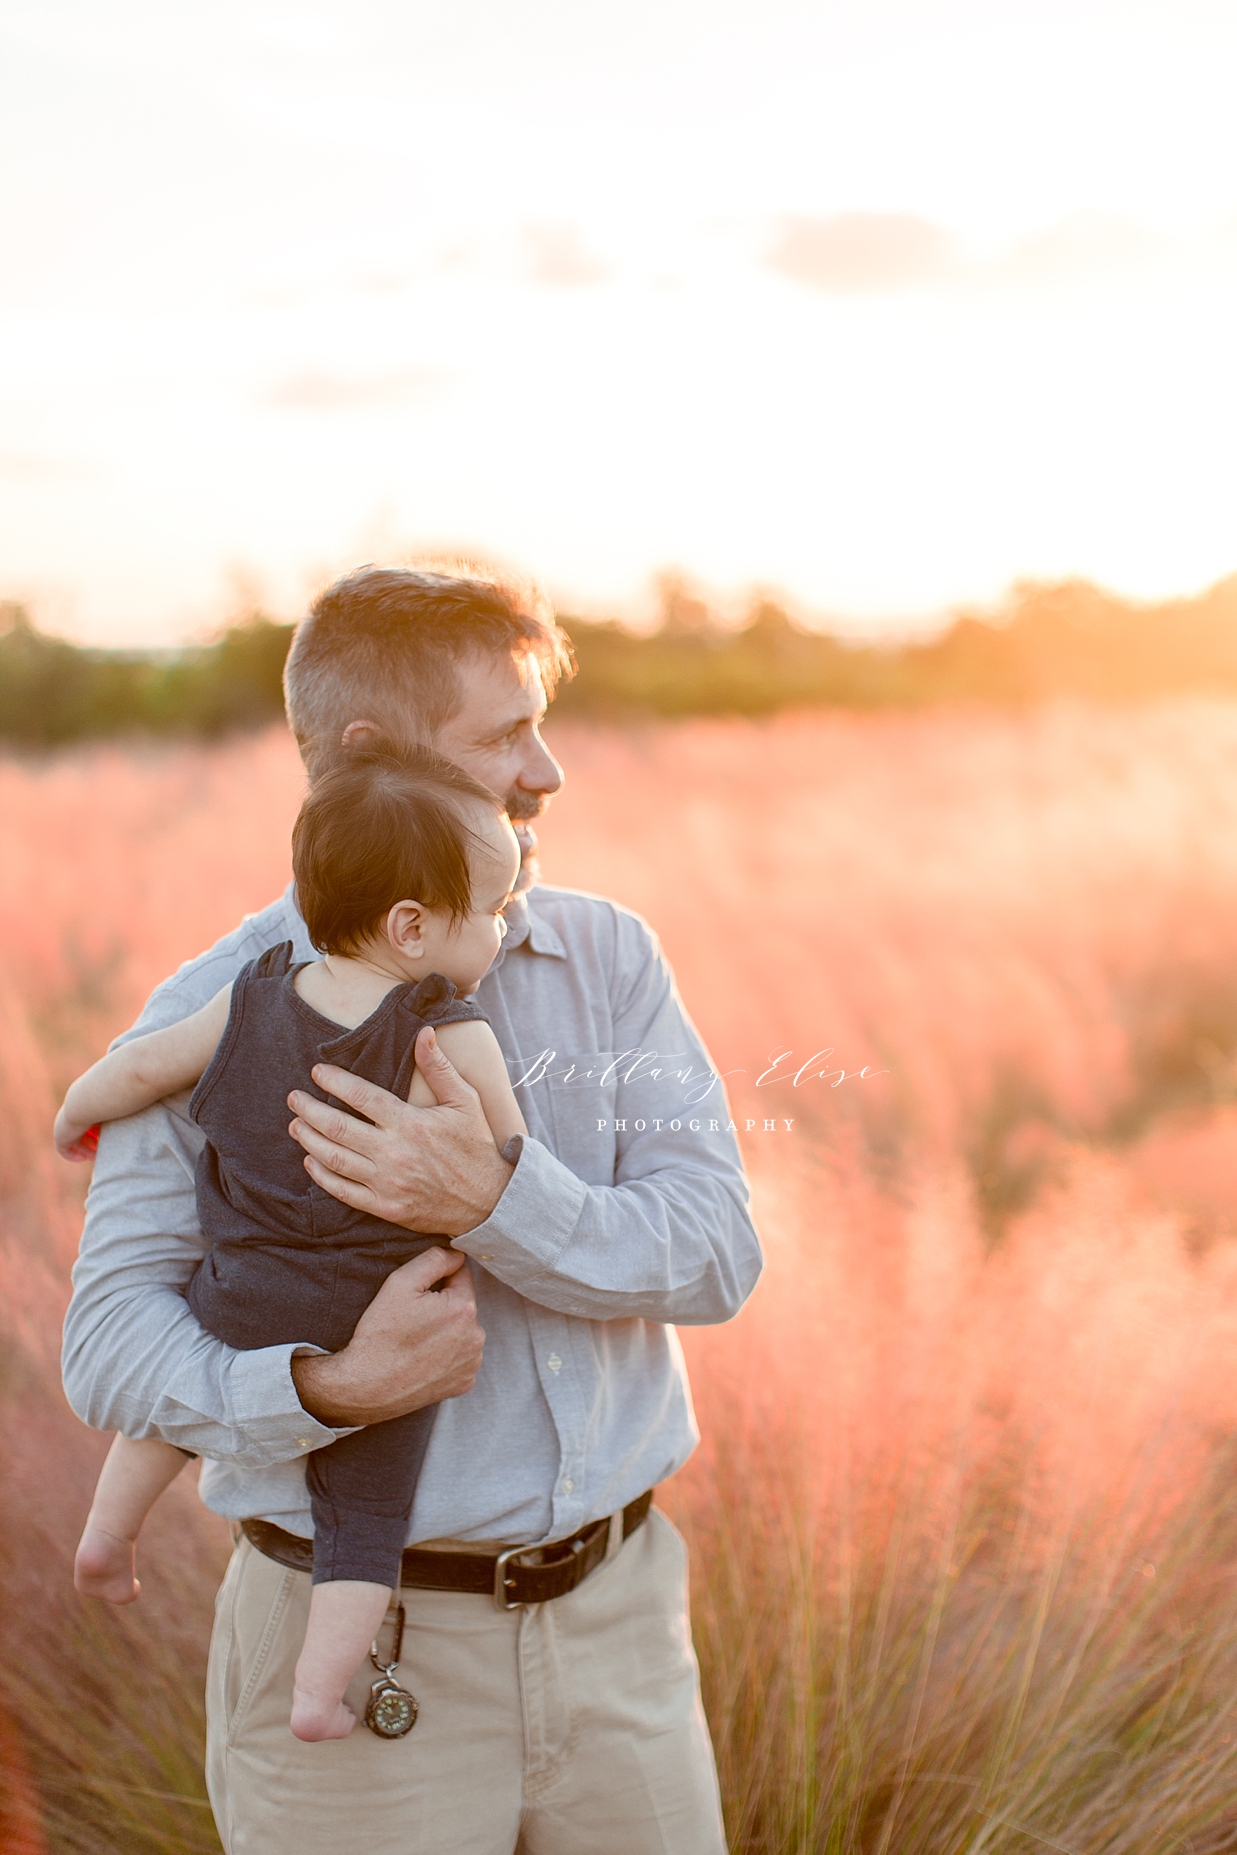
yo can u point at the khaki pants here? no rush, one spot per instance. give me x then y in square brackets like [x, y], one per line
[568, 1728]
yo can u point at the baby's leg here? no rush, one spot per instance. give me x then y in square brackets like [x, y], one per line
[344, 1618]
[360, 1491]
[131, 1481]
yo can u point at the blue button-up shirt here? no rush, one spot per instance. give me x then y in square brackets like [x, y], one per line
[627, 1211]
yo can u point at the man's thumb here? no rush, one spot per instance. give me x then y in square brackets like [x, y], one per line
[448, 1086]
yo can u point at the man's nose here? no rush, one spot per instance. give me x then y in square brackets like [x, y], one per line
[541, 771]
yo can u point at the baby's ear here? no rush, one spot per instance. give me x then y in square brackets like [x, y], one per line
[405, 927]
[361, 733]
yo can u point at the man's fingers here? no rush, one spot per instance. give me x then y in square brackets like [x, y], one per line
[449, 1087]
[431, 1266]
[347, 1190]
[331, 1122]
[460, 1283]
[332, 1147]
[379, 1104]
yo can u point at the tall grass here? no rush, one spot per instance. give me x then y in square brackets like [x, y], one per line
[963, 1523]
[965, 1531]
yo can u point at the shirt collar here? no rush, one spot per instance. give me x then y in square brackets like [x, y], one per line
[525, 923]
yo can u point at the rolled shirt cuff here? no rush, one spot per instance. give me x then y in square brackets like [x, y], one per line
[265, 1410]
[535, 1218]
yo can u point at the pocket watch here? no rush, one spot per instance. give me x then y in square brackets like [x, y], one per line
[392, 1710]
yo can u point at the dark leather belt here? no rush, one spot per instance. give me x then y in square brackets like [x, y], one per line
[520, 1575]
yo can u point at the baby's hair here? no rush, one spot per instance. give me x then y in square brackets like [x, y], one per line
[382, 826]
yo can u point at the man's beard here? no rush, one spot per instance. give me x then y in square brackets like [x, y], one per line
[521, 807]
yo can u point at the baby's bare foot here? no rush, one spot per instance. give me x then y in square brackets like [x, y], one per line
[314, 1718]
[104, 1567]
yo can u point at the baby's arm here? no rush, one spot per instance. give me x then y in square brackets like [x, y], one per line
[472, 1048]
[139, 1074]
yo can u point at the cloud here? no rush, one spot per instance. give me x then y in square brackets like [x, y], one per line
[324, 392]
[558, 255]
[854, 252]
[37, 467]
[1085, 242]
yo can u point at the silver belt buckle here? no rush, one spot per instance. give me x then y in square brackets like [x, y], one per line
[500, 1577]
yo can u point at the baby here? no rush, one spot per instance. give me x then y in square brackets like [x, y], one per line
[403, 866]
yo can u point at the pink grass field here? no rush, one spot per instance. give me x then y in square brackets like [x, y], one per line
[963, 1521]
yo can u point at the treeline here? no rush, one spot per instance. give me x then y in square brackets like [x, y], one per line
[52, 692]
[1066, 639]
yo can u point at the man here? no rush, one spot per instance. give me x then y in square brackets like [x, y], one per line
[558, 1692]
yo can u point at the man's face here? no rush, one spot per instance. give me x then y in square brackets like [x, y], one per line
[496, 733]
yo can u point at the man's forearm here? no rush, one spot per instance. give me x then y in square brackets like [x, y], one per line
[321, 1394]
[677, 1246]
[335, 1394]
[135, 1358]
[186, 1388]
[417, 1343]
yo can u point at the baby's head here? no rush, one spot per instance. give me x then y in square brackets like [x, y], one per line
[406, 858]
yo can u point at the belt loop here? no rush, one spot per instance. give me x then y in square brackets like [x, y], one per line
[615, 1541]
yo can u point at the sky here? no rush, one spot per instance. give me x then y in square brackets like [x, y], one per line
[879, 304]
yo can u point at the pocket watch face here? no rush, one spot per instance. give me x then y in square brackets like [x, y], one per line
[391, 1713]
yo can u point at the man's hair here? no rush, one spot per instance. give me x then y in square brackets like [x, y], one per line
[383, 645]
[380, 827]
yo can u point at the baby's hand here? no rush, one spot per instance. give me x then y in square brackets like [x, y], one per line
[73, 1141]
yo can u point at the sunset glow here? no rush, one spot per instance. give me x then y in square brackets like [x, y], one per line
[883, 305]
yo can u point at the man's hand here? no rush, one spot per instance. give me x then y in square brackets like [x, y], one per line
[435, 1170]
[411, 1347]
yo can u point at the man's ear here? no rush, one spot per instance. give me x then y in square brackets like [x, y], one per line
[405, 927]
[356, 731]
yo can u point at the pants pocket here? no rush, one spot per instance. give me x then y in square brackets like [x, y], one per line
[255, 1625]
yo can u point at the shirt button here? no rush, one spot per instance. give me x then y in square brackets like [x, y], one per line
[568, 1485]
[485, 1256]
[555, 1363]
[302, 1442]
